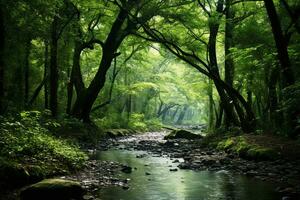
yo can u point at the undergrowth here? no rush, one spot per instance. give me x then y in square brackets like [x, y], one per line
[29, 150]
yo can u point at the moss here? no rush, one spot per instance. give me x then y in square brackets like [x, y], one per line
[260, 153]
[30, 152]
[53, 189]
[243, 148]
[225, 144]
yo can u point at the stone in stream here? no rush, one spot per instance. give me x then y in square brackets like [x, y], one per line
[147, 173]
[126, 169]
[125, 187]
[184, 166]
[174, 170]
[50, 189]
[182, 134]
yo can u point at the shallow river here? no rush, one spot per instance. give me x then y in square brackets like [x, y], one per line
[182, 184]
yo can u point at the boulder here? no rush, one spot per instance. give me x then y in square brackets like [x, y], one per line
[126, 169]
[183, 134]
[49, 189]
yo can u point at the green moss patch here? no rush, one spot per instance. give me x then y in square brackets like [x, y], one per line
[245, 149]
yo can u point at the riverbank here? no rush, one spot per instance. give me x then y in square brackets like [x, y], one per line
[213, 154]
[198, 155]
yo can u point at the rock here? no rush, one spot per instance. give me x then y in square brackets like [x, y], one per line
[50, 189]
[174, 170]
[182, 134]
[184, 166]
[147, 173]
[126, 169]
[141, 156]
[125, 187]
[286, 198]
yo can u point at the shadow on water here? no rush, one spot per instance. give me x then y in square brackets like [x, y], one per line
[163, 184]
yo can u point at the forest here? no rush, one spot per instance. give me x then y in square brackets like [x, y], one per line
[96, 96]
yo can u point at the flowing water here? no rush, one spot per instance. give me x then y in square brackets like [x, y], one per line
[151, 179]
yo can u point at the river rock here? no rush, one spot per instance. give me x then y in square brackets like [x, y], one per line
[50, 189]
[126, 169]
[182, 134]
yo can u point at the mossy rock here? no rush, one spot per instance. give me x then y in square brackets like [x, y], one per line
[225, 144]
[50, 189]
[182, 134]
[240, 146]
[259, 153]
[12, 173]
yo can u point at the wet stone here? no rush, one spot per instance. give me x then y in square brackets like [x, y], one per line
[126, 169]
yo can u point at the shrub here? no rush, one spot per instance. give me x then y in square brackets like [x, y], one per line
[25, 142]
[136, 122]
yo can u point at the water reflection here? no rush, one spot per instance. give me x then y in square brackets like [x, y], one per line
[163, 184]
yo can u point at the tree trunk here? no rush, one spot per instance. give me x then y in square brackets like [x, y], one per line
[182, 114]
[75, 78]
[283, 56]
[219, 116]
[281, 45]
[26, 71]
[46, 77]
[213, 65]
[85, 101]
[210, 105]
[229, 66]
[128, 107]
[174, 114]
[2, 44]
[53, 67]
[37, 92]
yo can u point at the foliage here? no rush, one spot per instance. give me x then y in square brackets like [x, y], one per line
[136, 121]
[149, 81]
[29, 144]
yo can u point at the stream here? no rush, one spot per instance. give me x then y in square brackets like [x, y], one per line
[156, 177]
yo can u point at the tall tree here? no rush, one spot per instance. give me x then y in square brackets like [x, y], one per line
[281, 44]
[86, 99]
[2, 43]
[60, 21]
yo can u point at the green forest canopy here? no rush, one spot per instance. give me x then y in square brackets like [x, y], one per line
[127, 63]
